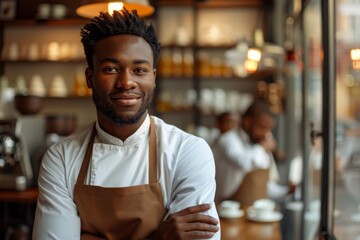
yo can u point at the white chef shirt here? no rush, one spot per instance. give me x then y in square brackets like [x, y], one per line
[235, 156]
[185, 167]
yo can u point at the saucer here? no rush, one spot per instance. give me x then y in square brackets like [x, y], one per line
[273, 217]
[233, 214]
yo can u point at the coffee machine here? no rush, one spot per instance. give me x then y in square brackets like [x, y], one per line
[19, 140]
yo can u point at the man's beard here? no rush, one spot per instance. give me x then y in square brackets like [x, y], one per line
[110, 113]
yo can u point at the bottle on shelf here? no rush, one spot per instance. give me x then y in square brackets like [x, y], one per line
[80, 88]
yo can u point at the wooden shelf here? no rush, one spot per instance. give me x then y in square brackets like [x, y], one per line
[211, 3]
[27, 196]
[22, 61]
[177, 110]
[201, 47]
[170, 78]
[70, 97]
[44, 22]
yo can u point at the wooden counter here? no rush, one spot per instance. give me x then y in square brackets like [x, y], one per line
[243, 229]
[18, 211]
[27, 196]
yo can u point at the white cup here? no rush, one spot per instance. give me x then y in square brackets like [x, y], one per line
[54, 51]
[58, 87]
[36, 86]
[262, 208]
[229, 207]
[59, 11]
[14, 51]
[44, 10]
[33, 52]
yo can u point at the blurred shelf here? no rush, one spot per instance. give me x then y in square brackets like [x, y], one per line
[44, 22]
[175, 110]
[27, 196]
[67, 98]
[169, 78]
[22, 61]
[258, 74]
[211, 3]
[200, 46]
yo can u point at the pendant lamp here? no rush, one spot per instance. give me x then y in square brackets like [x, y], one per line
[92, 8]
[249, 57]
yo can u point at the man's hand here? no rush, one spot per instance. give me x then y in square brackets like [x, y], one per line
[189, 223]
[269, 143]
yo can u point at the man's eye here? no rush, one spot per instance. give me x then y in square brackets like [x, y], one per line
[110, 69]
[141, 70]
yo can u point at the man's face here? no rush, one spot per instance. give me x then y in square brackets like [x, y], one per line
[228, 122]
[260, 126]
[123, 78]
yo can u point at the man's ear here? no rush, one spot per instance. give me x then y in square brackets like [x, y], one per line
[88, 76]
[245, 122]
[154, 71]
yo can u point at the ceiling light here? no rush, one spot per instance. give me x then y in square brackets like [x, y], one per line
[355, 54]
[92, 8]
[254, 54]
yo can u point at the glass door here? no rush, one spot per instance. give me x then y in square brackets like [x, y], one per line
[326, 90]
[305, 119]
[347, 168]
[312, 116]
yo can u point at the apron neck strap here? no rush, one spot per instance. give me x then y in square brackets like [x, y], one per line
[152, 153]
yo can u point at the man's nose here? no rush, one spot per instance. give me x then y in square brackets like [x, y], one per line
[124, 80]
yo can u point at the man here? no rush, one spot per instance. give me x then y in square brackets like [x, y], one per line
[239, 151]
[128, 175]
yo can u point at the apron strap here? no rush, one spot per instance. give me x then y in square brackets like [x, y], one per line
[152, 153]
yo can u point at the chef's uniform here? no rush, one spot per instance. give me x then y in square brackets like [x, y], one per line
[185, 170]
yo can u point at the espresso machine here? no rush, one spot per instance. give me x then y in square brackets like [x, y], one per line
[19, 140]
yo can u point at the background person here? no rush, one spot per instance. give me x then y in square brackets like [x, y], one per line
[244, 149]
[128, 175]
[228, 125]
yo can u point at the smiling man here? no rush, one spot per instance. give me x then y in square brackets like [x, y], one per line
[128, 175]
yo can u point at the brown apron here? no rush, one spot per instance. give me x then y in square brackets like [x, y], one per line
[120, 213]
[253, 187]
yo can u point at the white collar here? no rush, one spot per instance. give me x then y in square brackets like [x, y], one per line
[141, 132]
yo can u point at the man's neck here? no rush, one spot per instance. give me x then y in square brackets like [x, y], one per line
[121, 131]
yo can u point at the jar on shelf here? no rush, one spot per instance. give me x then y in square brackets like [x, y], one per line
[204, 66]
[216, 67]
[80, 88]
[165, 62]
[58, 87]
[188, 66]
[177, 63]
[36, 86]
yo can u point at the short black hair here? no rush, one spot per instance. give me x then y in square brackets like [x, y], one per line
[121, 22]
[221, 116]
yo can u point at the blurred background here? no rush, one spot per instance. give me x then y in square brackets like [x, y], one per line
[217, 56]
